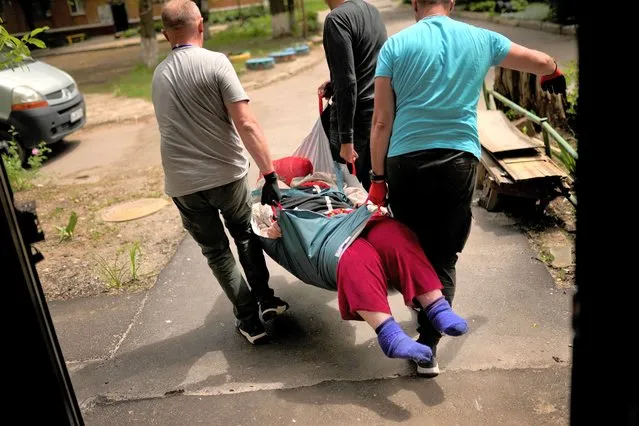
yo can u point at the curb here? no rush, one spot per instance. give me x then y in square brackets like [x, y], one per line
[126, 120]
[281, 76]
[98, 48]
[286, 74]
[548, 27]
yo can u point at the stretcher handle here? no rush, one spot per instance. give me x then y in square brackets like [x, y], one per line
[354, 172]
[320, 103]
[275, 211]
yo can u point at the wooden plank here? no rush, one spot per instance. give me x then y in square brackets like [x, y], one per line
[493, 168]
[498, 135]
[526, 168]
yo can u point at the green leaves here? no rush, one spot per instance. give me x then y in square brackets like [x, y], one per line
[38, 31]
[14, 50]
[66, 233]
[38, 43]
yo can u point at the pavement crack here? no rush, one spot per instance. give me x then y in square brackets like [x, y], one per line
[84, 361]
[126, 332]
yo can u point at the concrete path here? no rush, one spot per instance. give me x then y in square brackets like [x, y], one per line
[172, 356]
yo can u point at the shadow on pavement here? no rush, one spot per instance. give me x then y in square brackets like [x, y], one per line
[310, 345]
[368, 395]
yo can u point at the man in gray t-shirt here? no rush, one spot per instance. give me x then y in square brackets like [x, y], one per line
[199, 101]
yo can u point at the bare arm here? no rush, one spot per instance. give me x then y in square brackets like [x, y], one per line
[383, 117]
[521, 58]
[251, 134]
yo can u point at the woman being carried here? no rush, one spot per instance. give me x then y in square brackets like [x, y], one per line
[387, 254]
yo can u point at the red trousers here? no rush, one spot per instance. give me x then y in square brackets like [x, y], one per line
[387, 254]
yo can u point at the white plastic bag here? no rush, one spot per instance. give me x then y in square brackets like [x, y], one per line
[316, 148]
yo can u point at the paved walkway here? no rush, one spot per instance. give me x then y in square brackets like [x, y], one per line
[172, 356]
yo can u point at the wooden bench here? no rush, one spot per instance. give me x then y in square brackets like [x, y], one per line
[74, 38]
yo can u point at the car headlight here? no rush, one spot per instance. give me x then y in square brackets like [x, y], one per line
[26, 98]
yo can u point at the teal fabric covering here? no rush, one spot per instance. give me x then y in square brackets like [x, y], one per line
[312, 243]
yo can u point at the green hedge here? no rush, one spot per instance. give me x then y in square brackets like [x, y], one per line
[235, 14]
[489, 5]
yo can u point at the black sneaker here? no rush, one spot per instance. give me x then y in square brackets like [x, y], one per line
[252, 330]
[428, 369]
[272, 307]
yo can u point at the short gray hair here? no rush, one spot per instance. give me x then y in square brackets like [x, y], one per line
[433, 2]
[179, 13]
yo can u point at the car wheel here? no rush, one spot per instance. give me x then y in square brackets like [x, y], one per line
[24, 154]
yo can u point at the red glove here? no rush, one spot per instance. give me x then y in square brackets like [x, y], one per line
[554, 83]
[377, 193]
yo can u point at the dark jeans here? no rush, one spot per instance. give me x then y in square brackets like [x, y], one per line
[431, 192]
[201, 218]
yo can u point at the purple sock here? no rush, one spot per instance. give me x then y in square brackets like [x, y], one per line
[397, 344]
[443, 318]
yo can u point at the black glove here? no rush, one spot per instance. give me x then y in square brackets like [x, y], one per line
[271, 191]
[554, 83]
[328, 91]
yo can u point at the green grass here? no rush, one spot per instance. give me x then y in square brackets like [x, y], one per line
[135, 84]
[253, 35]
[252, 31]
[314, 5]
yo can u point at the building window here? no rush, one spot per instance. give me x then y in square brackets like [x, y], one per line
[76, 7]
[40, 10]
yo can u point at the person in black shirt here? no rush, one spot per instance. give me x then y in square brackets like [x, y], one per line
[353, 36]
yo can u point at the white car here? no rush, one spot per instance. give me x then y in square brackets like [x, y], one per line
[42, 103]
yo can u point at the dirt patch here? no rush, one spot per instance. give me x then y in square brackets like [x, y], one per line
[71, 268]
[552, 236]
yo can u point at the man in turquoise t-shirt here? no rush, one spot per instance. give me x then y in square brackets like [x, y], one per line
[424, 139]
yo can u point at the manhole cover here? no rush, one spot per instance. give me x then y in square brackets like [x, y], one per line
[134, 209]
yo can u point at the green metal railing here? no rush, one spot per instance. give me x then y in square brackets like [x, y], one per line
[547, 130]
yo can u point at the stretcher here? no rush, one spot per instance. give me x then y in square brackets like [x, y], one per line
[311, 242]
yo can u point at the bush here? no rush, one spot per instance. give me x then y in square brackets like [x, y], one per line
[482, 6]
[19, 177]
[312, 21]
[571, 72]
[519, 5]
[131, 32]
[233, 15]
[490, 6]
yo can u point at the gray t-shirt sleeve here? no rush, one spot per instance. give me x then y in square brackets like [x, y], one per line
[229, 83]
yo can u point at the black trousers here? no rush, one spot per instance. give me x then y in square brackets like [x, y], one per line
[431, 192]
[200, 214]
